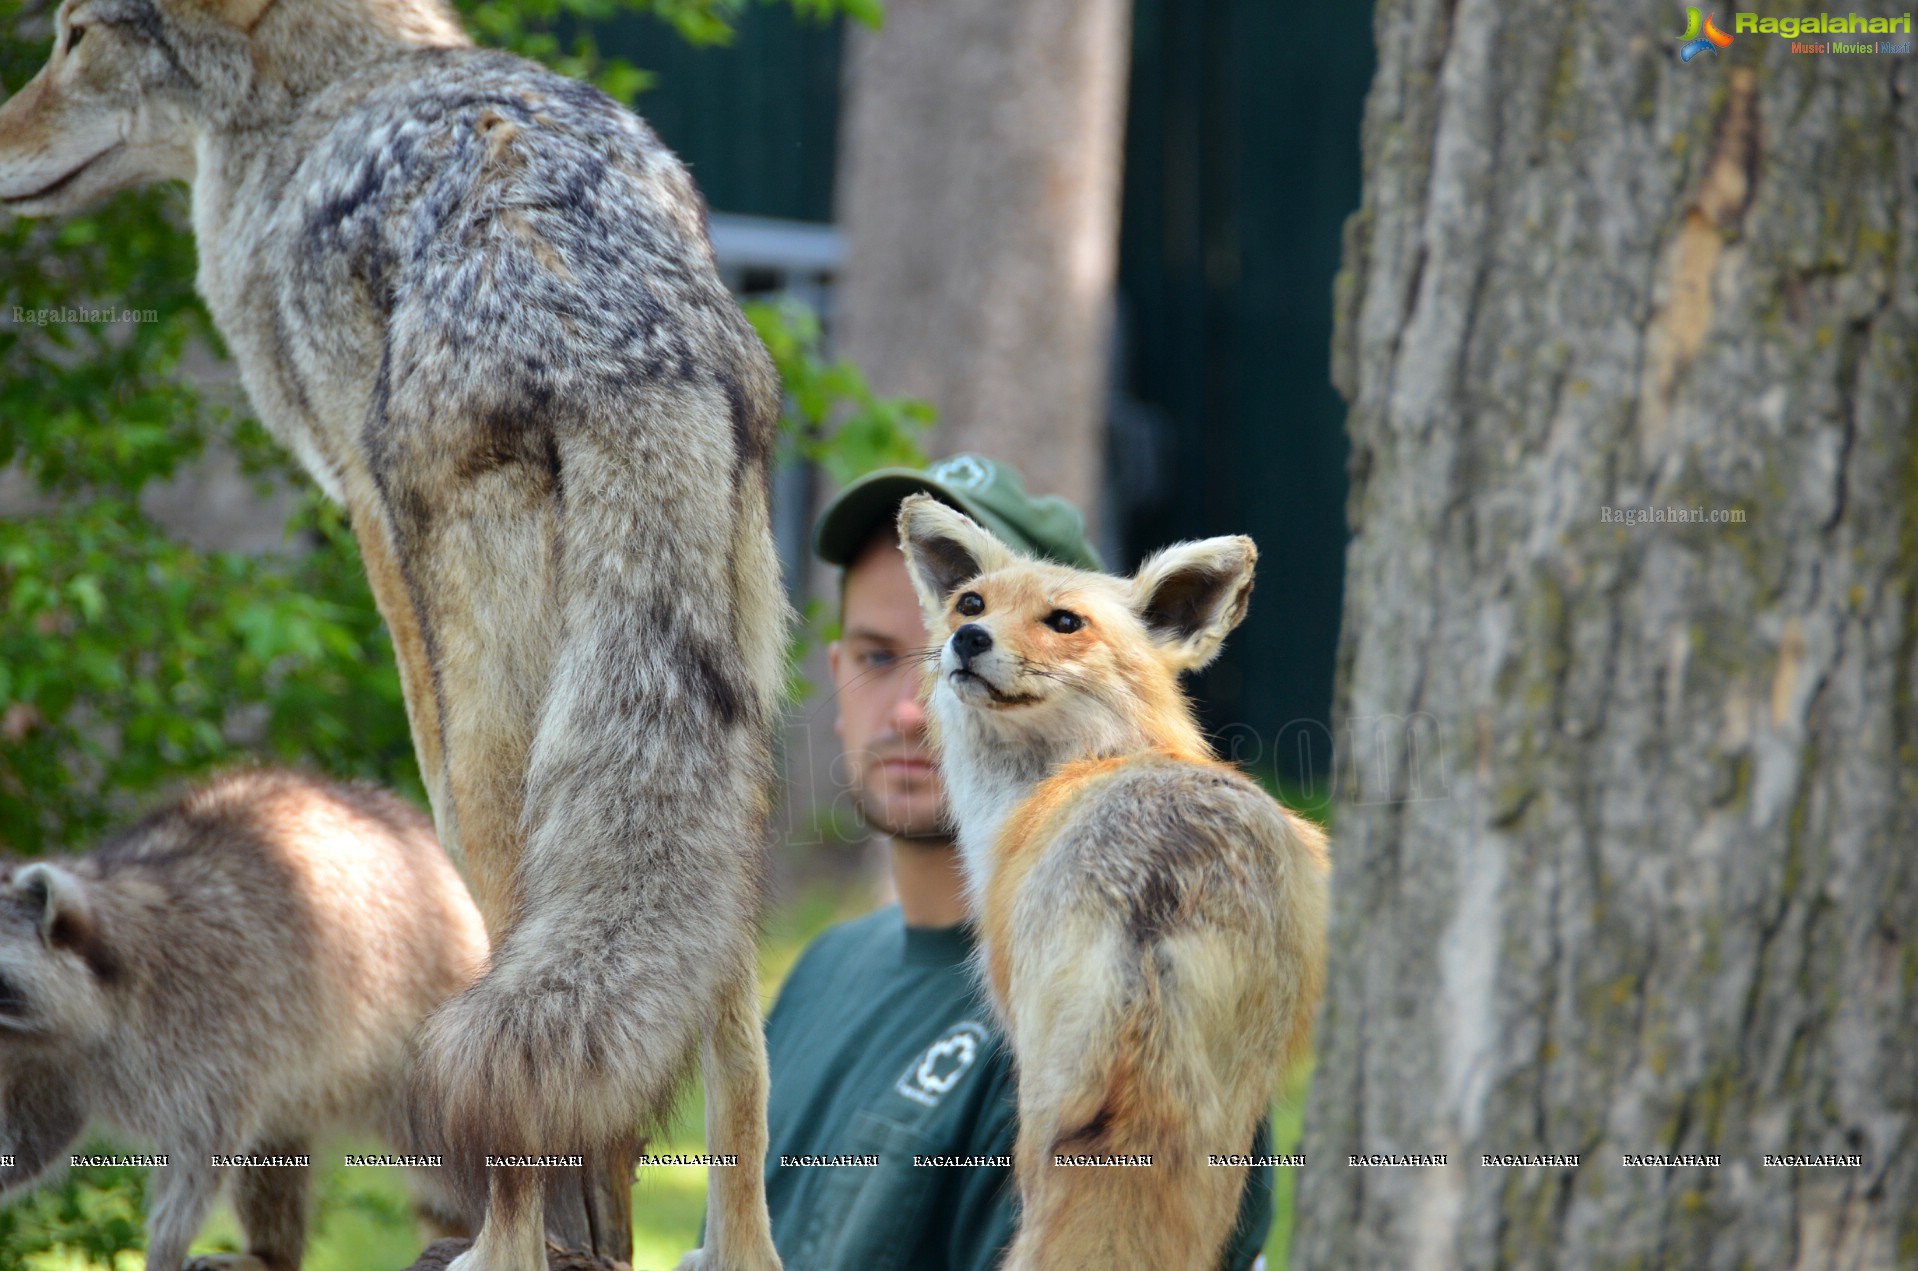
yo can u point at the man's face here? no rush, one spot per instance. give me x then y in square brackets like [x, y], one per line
[877, 668]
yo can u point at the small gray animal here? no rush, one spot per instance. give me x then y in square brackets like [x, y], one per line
[237, 974]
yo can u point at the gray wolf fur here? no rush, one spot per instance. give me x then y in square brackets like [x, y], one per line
[477, 300]
[239, 973]
[1152, 923]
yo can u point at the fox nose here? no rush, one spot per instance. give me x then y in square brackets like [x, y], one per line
[970, 641]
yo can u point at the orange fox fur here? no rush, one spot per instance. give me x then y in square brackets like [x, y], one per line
[1152, 923]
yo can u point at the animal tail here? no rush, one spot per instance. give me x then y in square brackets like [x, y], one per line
[1119, 1106]
[648, 787]
[1166, 1049]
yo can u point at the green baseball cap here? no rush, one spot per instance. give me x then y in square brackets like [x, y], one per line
[990, 493]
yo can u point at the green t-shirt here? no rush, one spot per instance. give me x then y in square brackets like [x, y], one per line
[881, 1047]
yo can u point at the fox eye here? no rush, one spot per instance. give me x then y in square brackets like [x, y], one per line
[73, 37]
[1064, 621]
[971, 605]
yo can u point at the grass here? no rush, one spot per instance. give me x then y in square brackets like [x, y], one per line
[1288, 1123]
[362, 1219]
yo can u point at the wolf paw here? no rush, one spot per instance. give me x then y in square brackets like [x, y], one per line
[225, 1262]
[474, 1259]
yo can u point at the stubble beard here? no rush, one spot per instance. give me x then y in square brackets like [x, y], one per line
[923, 831]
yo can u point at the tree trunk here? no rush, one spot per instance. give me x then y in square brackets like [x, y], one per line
[590, 1209]
[440, 1254]
[1625, 862]
[979, 192]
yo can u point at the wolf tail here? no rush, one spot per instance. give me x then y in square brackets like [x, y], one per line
[647, 790]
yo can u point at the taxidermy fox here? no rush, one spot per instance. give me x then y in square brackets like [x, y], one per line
[236, 975]
[1152, 923]
[478, 301]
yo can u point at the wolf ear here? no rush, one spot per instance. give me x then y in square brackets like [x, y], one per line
[57, 901]
[944, 548]
[1190, 595]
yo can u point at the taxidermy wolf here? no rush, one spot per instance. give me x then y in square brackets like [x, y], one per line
[477, 300]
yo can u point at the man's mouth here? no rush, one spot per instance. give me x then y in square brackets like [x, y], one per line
[997, 698]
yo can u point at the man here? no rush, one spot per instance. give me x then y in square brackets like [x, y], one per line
[892, 1107]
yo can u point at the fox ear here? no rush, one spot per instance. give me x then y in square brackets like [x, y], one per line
[1190, 595]
[57, 901]
[944, 548]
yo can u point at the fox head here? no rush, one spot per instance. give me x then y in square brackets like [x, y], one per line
[1062, 662]
[131, 84]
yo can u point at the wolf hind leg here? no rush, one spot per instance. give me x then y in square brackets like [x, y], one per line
[733, 1060]
[513, 1237]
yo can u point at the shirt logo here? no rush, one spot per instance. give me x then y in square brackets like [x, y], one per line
[938, 1070]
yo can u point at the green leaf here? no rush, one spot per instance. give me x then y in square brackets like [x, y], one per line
[85, 591]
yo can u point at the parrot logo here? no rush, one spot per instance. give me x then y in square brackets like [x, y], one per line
[1700, 36]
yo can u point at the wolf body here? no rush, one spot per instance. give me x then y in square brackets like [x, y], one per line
[1152, 923]
[238, 974]
[477, 300]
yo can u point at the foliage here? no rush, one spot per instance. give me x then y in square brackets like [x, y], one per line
[835, 420]
[129, 659]
[92, 1215]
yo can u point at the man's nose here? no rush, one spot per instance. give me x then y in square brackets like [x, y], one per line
[970, 641]
[908, 716]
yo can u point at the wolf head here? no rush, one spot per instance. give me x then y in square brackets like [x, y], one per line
[131, 84]
[1061, 659]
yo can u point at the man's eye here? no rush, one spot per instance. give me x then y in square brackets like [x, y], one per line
[971, 605]
[1064, 621]
[879, 657]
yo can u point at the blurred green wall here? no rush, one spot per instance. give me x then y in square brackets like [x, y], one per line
[756, 120]
[1242, 162]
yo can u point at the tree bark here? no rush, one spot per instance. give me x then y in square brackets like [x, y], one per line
[1624, 857]
[979, 192]
[590, 1209]
[440, 1254]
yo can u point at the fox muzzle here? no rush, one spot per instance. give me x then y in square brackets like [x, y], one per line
[969, 642]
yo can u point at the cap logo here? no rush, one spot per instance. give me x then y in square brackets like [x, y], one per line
[968, 472]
